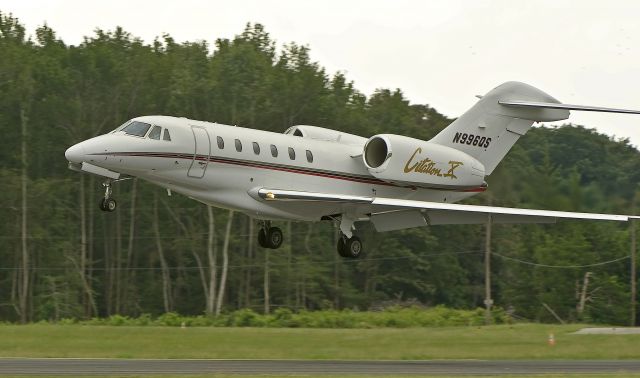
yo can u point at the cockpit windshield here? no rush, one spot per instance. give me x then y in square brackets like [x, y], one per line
[120, 127]
[137, 128]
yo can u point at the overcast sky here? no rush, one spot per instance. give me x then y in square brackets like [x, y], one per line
[441, 53]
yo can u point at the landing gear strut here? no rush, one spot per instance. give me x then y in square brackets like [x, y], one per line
[269, 237]
[349, 247]
[107, 203]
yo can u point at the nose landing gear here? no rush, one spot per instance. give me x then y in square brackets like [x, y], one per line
[107, 203]
[269, 237]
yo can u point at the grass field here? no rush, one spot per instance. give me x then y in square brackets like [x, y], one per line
[522, 341]
[344, 376]
[353, 376]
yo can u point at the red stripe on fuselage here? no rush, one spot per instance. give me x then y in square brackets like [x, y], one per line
[303, 171]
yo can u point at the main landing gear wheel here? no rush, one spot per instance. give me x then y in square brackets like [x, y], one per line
[349, 248]
[274, 237]
[340, 246]
[108, 204]
[270, 237]
[262, 238]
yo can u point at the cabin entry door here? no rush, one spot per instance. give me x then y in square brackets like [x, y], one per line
[202, 152]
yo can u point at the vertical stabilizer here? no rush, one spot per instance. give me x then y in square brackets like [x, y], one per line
[489, 129]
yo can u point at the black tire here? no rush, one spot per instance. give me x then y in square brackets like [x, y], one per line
[340, 247]
[262, 238]
[353, 247]
[274, 237]
[102, 205]
[110, 204]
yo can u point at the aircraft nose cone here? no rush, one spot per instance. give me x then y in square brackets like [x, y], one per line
[75, 153]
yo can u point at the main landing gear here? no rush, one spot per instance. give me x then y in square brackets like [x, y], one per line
[269, 237]
[349, 247]
[107, 203]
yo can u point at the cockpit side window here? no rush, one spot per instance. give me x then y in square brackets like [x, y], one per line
[137, 128]
[155, 133]
[166, 135]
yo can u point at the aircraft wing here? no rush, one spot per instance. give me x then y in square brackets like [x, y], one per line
[401, 213]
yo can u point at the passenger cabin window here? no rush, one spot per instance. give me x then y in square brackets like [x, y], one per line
[166, 135]
[274, 150]
[256, 148]
[292, 154]
[155, 133]
[238, 145]
[137, 128]
[220, 142]
[309, 156]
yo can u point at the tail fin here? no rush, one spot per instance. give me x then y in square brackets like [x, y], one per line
[489, 129]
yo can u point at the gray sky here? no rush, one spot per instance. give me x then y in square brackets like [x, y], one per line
[438, 52]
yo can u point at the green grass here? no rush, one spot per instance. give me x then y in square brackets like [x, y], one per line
[617, 375]
[522, 341]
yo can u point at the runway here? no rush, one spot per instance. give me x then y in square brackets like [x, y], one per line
[72, 366]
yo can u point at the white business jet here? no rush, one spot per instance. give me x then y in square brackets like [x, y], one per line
[311, 173]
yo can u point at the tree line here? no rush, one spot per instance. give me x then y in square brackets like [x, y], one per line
[61, 257]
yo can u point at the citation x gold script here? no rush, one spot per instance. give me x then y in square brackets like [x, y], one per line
[428, 167]
[311, 173]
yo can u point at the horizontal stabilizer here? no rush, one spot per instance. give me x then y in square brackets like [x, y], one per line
[551, 105]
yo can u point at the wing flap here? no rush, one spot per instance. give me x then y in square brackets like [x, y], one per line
[398, 220]
[440, 217]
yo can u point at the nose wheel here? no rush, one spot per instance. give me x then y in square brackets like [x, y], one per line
[350, 248]
[270, 237]
[107, 203]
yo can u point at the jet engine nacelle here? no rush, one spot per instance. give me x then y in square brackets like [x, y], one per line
[404, 160]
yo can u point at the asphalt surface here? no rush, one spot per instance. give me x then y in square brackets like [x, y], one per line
[73, 366]
[609, 331]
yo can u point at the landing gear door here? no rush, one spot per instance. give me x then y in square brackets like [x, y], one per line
[202, 152]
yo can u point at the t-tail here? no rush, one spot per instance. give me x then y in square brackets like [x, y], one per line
[492, 126]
